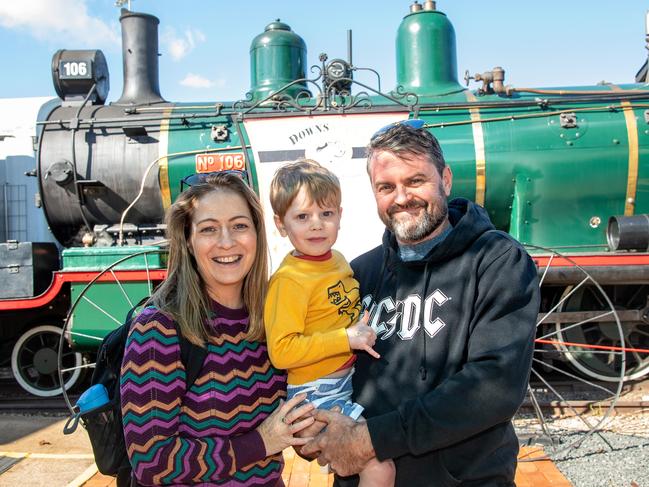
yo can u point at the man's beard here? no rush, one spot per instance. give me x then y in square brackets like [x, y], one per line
[412, 228]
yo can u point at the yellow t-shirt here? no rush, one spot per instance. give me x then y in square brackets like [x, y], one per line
[309, 305]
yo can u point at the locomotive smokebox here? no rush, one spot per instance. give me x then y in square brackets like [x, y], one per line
[140, 58]
[93, 160]
[628, 233]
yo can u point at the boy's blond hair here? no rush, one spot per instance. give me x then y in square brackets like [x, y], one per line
[322, 186]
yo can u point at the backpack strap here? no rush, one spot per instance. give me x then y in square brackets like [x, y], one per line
[192, 357]
[129, 315]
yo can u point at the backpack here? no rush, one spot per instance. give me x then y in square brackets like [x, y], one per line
[104, 423]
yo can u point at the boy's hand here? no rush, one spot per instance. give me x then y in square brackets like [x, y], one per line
[362, 337]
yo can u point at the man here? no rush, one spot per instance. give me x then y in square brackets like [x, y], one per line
[454, 304]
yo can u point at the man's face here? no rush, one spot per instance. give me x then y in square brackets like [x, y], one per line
[410, 195]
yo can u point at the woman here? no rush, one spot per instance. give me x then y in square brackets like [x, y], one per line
[231, 425]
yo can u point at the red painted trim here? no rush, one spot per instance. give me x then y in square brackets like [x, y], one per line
[593, 260]
[595, 347]
[62, 277]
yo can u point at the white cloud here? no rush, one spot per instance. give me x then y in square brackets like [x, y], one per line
[65, 20]
[197, 81]
[180, 46]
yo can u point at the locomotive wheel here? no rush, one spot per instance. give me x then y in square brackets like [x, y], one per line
[563, 406]
[128, 301]
[34, 362]
[606, 366]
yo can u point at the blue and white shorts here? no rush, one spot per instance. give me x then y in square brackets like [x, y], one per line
[329, 392]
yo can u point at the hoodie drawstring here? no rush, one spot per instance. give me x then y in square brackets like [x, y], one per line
[423, 371]
[377, 289]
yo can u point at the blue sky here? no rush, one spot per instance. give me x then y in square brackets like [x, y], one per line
[204, 44]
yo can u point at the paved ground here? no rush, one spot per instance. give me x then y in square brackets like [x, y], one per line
[34, 452]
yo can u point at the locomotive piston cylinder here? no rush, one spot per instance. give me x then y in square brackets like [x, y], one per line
[628, 232]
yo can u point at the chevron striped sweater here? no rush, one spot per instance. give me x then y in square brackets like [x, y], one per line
[205, 435]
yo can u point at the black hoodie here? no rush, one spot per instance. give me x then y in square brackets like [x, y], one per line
[456, 332]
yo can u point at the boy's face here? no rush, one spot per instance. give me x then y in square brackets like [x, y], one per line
[312, 229]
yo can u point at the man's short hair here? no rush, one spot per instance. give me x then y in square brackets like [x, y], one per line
[322, 186]
[404, 141]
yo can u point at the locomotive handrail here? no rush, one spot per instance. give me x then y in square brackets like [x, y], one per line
[587, 97]
[510, 103]
[546, 91]
[533, 115]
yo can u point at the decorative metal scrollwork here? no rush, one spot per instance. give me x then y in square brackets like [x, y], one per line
[244, 103]
[400, 93]
[344, 102]
[332, 85]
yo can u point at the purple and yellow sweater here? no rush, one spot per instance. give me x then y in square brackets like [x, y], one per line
[205, 435]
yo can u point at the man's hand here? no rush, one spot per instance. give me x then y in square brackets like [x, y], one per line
[309, 432]
[345, 445]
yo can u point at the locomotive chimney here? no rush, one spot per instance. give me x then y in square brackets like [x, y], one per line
[140, 58]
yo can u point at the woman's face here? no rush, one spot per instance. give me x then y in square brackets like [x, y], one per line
[223, 240]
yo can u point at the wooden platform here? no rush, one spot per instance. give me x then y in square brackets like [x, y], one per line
[300, 473]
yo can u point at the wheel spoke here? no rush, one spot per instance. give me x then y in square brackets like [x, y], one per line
[573, 376]
[545, 271]
[575, 325]
[628, 303]
[539, 413]
[119, 323]
[84, 366]
[563, 300]
[119, 284]
[597, 297]
[576, 351]
[148, 274]
[71, 333]
[563, 400]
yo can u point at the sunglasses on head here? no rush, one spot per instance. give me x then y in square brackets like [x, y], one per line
[202, 177]
[415, 123]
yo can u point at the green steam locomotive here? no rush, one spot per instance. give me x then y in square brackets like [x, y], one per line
[563, 170]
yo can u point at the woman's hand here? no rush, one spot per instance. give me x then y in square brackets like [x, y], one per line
[278, 430]
[362, 337]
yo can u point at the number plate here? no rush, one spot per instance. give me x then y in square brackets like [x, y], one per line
[79, 69]
[220, 162]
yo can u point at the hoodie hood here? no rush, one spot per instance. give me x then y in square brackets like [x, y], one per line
[468, 220]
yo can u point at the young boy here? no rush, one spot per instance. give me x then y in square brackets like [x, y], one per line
[313, 306]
